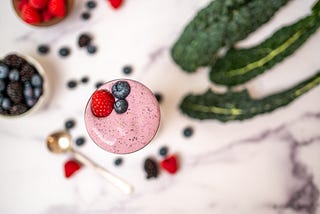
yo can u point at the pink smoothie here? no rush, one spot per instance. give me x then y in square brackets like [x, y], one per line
[130, 131]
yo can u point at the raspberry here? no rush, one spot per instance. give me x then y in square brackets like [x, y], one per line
[102, 103]
[46, 15]
[15, 92]
[57, 8]
[70, 167]
[38, 4]
[30, 14]
[26, 72]
[21, 4]
[116, 3]
[170, 164]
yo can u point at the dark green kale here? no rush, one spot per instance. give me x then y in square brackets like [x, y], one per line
[221, 23]
[241, 65]
[239, 105]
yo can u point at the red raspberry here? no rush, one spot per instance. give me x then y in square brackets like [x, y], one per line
[170, 164]
[21, 3]
[46, 15]
[30, 14]
[116, 3]
[102, 103]
[70, 167]
[57, 8]
[38, 4]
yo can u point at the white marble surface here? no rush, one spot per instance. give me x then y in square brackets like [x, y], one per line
[269, 164]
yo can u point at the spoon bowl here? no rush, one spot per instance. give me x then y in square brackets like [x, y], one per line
[59, 142]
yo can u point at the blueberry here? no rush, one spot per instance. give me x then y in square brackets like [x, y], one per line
[37, 92]
[99, 84]
[36, 80]
[127, 69]
[92, 49]
[85, 15]
[14, 75]
[121, 106]
[6, 103]
[84, 79]
[72, 84]
[64, 51]
[188, 131]
[70, 123]
[163, 151]
[43, 49]
[84, 40]
[4, 70]
[2, 85]
[27, 92]
[121, 89]
[30, 101]
[91, 4]
[80, 141]
[158, 97]
[118, 161]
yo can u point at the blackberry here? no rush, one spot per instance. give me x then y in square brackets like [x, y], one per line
[127, 69]
[15, 92]
[85, 15]
[18, 109]
[69, 124]
[91, 4]
[80, 141]
[92, 49]
[14, 75]
[14, 61]
[43, 49]
[84, 40]
[120, 106]
[26, 72]
[121, 89]
[4, 70]
[188, 131]
[118, 161]
[151, 168]
[64, 51]
[163, 151]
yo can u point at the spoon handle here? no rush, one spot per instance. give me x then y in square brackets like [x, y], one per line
[113, 179]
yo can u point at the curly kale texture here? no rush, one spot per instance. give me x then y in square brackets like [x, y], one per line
[239, 105]
[241, 65]
[221, 23]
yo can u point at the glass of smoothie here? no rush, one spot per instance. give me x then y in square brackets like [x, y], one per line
[122, 116]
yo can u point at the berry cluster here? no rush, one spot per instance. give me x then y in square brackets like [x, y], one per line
[21, 85]
[39, 11]
[103, 102]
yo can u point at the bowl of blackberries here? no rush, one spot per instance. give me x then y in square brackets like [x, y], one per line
[42, 13]
[23, 85]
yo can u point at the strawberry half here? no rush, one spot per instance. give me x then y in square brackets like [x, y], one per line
[38, 4]
[170, 164]
[30, 14]
[57, 8]
[70, 167]
[116, 3]
[102, 103]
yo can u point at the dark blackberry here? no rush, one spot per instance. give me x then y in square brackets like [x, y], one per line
[18, 109]
[85, 15]
[151, 168]
[84, 40]
[69, 124]
[91, 4]
[163, 151]
[118, 161]
[80, 141]
[26, 72]
[15, 92]
[43, 49]
[84, 79]
[14, 61]
[188, 131]
[158, 97]
[71, 84]
[121, 106]
[127, 69]
[92, 49]
[121, 89]
[4, 71]
[64, 51]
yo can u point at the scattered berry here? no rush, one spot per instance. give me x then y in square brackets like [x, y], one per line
[84, 79]
[57, 8]
[92, 49]
[64, 51]
[99, 84]
[70, 167]
[118, 161]
[14, 75]
[116, 3]
[30, 15]
[91, 4]
[158, 97]
[102, 103]
[121, 106]
[38, 4]
[127, 69]
[43, 49]
[163, 151]
[69, 124]
[170, 164]
[151, 168]
[121, 89]
[84, 40]
[80, 141]
[4, 70]
[71, 84]
[188, 131]
[85, 15]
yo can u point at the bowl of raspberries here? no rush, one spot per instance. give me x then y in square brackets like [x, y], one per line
[23, 85]
[42, 13]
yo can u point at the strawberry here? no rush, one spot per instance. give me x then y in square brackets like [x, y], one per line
[170, 164]
[21, 3]
[70, 167]
[102, 103]
[57, 8]
[116, 3]
[30, 14]
[38, 4]
[46, 15]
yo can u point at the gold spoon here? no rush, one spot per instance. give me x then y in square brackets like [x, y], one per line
[60, 142]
